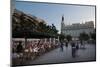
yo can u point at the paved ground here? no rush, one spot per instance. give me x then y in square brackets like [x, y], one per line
[59, 56]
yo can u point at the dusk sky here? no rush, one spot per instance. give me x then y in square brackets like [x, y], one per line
[52, 13]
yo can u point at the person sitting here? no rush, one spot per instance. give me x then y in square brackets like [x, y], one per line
[19, 49]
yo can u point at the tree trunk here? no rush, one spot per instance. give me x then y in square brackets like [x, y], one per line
[25, 41]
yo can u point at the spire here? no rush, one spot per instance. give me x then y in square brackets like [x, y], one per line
[62, 24]
[63, 18]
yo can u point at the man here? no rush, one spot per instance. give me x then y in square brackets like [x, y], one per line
[73, 49]
[66, 43]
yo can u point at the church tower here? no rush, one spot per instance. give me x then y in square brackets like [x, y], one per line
[62, 25]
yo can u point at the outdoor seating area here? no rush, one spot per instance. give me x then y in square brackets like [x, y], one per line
[32, 50]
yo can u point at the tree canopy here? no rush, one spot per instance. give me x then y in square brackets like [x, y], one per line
[24, 25]
[84, 36]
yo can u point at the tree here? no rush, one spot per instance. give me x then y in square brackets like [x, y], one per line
[84, 36]
[61, 37]
[69, 37]
[93, 36]
[25, 26]
[54, 30]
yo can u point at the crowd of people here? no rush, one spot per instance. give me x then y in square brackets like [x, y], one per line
[32, 49]
[75, 45]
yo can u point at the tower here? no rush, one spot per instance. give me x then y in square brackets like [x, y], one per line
[62, 25]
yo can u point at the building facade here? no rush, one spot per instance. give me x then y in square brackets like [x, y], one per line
[75, 29]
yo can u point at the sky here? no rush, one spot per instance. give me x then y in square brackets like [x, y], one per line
[52, 13]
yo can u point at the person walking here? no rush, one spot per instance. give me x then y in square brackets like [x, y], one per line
[61, 46]
[77, 45]
[73, 49]
[66, 44]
